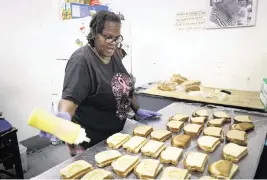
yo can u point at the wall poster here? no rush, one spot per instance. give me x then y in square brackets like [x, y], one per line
[191, 21]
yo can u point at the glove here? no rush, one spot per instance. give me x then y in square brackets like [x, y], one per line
[63, 115]
[145, 114]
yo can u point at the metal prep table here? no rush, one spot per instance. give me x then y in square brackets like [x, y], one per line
[247, 166]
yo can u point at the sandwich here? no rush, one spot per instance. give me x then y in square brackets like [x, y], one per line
[221, 114]
[242, 126]
[117, 140]
[142, 131]
[198, 120]
[201, 113]
[216, 122]
[233, 152]
[153, 148]
[208, 143]
[171, 155]
[105, 158]
[166, 86]
[175, 126]
[161, 135]
[193, 87]
[242, 119]
[238, 137]
[135, 144]
[148, 169]
[181, 141]
[124, 165]
[172, 173]
[179, 117]
[97, 174]
[195, 161]
[214, 132]
[193, 130]
[190, 83]
[76, 170]
[222, 169]
[177, 78]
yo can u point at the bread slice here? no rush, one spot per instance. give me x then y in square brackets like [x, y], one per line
[124, 165]
[117, 140]
[153, 148]
[148, 169]
[191, 83]
[175, 173]
[216, 122]
[97, 174]
[76, 170]
[233, 152]
[175, 126]
[242, 126]
[171, 155]
[195, 161]
[214, 132]
[166, 86]
[181, 141]
[243, 119]
[192, 88]
[238, 137]
[161, 135]
[198, 120]
[105, 158]
[201, 113]
[193, 130]
[208, 143]
[135, 144]
[142, 131]
[221, 114]
[179, 117]
[223, 169]
[177, 78]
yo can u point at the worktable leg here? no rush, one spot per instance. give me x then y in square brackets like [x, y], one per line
[16, 154]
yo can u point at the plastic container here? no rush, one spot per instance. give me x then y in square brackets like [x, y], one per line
[23, 157]
[64, 130]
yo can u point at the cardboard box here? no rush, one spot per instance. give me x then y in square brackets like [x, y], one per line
[264, 85]
[263, 98]
[76, 10]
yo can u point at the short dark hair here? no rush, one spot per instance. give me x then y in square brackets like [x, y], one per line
[97, 23]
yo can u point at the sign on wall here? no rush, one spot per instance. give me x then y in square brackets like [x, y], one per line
[193, 20]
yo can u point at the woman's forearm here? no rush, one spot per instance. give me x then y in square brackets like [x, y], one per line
[67, 106]
[135, 106]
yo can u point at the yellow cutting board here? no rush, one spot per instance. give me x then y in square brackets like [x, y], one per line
[238, 98]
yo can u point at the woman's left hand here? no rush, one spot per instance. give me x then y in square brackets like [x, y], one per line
[145, 114]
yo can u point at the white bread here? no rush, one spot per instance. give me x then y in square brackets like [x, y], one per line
[117, 140]
[233, 152]
[97, 174]
[179, 117]
[181, 141]
[175, 126]
[195, 161]
[221, 114]
[174, 173]
[171, 155]
[208, 143]
[153, 148]
[125, 164]
[135, 144]
[143, 130]
[201, 113]
[193, 130]
[105, 158]
[161, 135]
[222, 169]
[216, 122]
[148, 168]
[198, 120]
[238, 137]
[242, 119]
[75, 170]
[214, 132]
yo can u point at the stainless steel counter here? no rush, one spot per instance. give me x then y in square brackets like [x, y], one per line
[247, 166]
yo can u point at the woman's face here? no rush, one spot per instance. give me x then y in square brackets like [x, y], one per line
[105, 42]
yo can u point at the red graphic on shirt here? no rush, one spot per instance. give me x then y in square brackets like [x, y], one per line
[94, 2]
[121, 87]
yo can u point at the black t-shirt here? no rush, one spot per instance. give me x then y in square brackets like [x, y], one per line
[102, 92]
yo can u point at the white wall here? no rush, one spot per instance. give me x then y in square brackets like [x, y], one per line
[29, 49]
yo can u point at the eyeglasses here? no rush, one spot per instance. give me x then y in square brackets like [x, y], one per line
[110, 40]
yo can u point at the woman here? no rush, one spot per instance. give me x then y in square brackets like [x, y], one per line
[98, 91]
